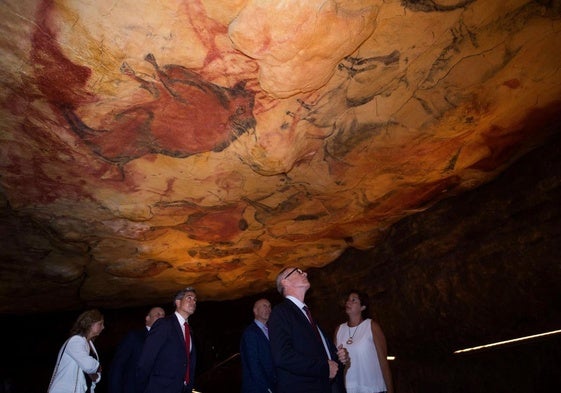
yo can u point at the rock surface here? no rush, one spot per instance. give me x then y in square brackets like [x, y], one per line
[210, 143]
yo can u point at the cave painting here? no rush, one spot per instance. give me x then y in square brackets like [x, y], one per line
[184, 115]
[249, 135]
[187, 115]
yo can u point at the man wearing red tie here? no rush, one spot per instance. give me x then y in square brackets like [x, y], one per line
[167, 361]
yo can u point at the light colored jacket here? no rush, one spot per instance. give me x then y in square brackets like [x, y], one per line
[73, 361]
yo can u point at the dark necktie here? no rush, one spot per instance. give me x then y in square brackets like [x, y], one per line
[188, 349]
[312, 322]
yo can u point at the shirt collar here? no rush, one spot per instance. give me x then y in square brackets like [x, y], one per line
[180, 318]
[296, 301]
[260, 324]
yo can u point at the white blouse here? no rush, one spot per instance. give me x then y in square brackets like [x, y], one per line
[364, 374]
[73, 361]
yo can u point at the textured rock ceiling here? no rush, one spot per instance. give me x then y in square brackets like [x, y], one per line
[147, 145]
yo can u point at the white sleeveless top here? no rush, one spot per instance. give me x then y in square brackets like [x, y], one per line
[364, 374]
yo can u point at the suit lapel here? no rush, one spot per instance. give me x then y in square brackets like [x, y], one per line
[262, 333]
[303, 320]
[178, 330]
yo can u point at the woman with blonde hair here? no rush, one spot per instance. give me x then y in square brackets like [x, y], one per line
[78, 361]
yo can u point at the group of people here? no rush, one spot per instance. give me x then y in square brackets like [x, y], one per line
[159, 358]
[282, 351]
[285, 351]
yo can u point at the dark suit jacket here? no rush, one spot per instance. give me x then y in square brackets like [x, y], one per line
[258, 373]
[122, 371]
[163, 361]
[298, 354]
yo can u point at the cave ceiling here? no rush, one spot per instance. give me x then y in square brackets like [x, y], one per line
[147, 146]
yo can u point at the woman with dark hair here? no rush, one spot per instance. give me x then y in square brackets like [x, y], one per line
[78, 357]
[368, 370]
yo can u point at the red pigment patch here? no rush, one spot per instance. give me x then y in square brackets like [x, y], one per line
[512, 83]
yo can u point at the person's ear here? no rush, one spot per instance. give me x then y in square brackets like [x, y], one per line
[362, 308]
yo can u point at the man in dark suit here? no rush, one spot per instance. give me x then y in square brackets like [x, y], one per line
[167, 362]
[306, 361]
[122, 373]
[258, 373]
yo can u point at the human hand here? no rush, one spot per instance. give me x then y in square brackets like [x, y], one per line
[343, 354]
[333, 367]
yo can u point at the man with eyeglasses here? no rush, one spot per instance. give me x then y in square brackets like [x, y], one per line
[167, 361]
[306, 361]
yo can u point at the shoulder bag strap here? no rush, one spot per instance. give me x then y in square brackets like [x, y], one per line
[57, 364]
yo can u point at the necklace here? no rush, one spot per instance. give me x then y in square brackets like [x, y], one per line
[350, 340]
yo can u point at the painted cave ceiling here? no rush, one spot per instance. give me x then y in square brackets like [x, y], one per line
[147, 146]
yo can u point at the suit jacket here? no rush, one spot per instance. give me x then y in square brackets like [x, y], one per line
[258, 373]
[299, 355]
[122, 372]
[163, 361]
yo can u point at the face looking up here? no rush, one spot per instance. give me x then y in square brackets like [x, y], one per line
[187, 304]
[296, 278]
[353, 305]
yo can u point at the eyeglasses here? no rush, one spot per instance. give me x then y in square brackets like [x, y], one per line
[190, 298]
[292, 271]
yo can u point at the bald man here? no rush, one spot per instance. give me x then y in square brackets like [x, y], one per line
[123, 367]
[258, 373]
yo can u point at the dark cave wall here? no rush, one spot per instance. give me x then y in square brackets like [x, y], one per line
[474, 268]
[529, 367]
[471, 270]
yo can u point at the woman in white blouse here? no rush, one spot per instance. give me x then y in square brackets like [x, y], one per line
[77, 359]
[369, 369]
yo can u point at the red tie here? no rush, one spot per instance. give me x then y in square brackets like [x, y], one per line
[188, 349]
[309, 314]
